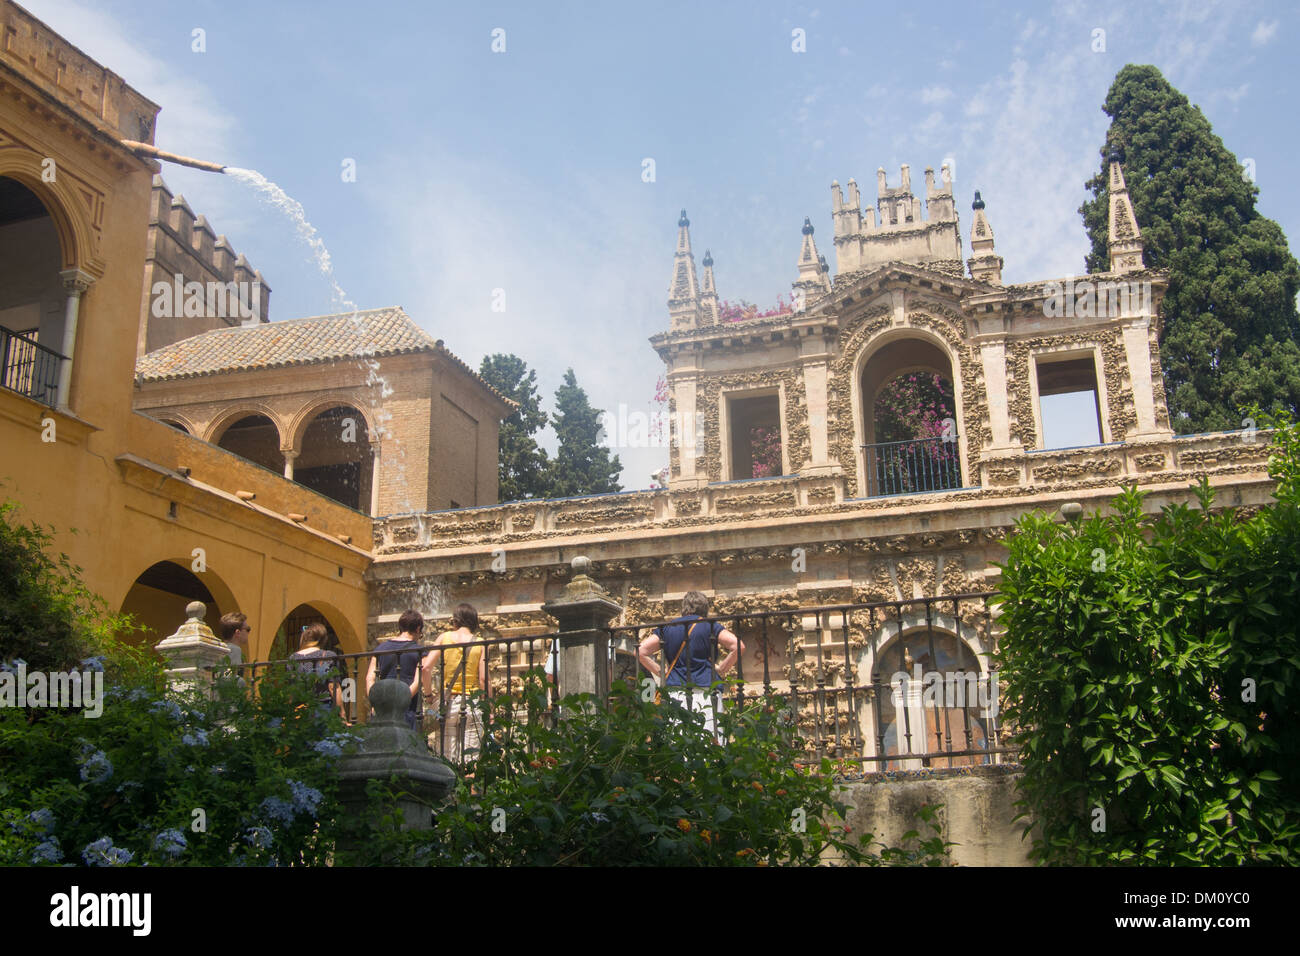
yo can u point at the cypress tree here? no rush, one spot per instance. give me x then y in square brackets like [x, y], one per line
[523, 463]
[582, 466]
[1230, 326]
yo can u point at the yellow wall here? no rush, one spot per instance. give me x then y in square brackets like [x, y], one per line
[257, 560]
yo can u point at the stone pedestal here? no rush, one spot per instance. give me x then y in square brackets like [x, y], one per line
[193, 651]
[581, 612]
[389, 748]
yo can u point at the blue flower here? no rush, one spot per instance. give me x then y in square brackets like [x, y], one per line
[103, 853]
[274, 723]
[127, 786]
[138, 694]
[327, 748]
[197, 739]
[10, 667]
[259, 837]
[305, 799]
[97, 768]
[278, 810]
[43, 818]
[170, 843]
[95, 663]
[169, 708]
[47, 851]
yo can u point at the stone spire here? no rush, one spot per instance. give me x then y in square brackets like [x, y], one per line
[709, 294]
[985, 264]
[684, 291]
[1125, 240]
[813, 281]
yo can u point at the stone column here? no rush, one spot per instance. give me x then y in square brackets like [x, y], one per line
[193, 651]
[689, 435]
[289, 457]
[374, 476]
[75, 282]
[389, 748]
[994, 356]
[1137, 352]
[814, 383]
[582, 611]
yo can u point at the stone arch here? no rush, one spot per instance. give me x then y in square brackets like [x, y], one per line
[228, 416]
[157, 596]
[76, 235]
[907, 724]
[334, 452]
[302, 419]
[284, 641]
[929, 350]
[256, 444]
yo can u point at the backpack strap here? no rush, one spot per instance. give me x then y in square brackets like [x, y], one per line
[685, 640]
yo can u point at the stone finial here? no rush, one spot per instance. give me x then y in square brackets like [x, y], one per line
[985, 264]
[1072, 511]
[684, 307]
[813, 282]
[193, 651]
[1125, 239]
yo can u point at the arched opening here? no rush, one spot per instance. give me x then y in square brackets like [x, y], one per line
[256, 438]
[158, 598]
[176, 425]
[335, 459]
[935, 699]
[909, 420]
[33, 303]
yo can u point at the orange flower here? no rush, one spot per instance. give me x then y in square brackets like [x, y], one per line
[748, 851]
[762, 863]
[534, 764]
[780, 793]
[757, 786]
[706, 836]
[684, 825]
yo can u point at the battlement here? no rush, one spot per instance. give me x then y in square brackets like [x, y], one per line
[184, 244]
[895, 230]
[36, 53]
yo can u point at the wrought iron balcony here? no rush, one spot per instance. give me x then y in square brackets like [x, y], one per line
[30, 368]
[913, 466]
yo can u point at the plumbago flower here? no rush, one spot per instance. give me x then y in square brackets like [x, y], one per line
[47, 851]
[258, 837]
[103, 853]
[197, 739]
[168, 707]
[95, 663]
[305, 799]
[280, 811]
[170, 843]
[96, 768]
[43, 818]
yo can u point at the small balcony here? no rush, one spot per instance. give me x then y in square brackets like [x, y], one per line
[915, 466]
[29, 368]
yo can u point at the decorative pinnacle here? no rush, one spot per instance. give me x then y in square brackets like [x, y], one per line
[708, 258]
[1113, 154]
[821, 260]
[978, 203]
[683, 222]
[807, 226]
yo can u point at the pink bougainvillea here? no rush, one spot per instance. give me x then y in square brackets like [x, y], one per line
[743, 311]
[765, 450]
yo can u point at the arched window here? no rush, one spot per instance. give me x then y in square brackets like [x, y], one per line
[32, 296]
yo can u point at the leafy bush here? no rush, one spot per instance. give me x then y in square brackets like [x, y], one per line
[1152, 665]
[640, 783]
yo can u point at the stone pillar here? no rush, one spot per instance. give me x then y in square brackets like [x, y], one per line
[289, 457]
[582, 611]
[690, 435]
[75, 282]
[994, 356]
[193, 651]
[374, 477]
[389, 748]
[1137, 352]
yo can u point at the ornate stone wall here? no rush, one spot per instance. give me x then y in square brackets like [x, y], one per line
[795, 413]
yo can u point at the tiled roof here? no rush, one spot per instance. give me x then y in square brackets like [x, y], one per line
[323, 338]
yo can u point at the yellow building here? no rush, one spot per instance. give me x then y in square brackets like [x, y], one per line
[160, 517]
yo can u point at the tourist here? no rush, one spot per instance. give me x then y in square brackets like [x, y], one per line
[235, 631]
[689, 649]
[404, 666]
[314, 660]
[459, 674]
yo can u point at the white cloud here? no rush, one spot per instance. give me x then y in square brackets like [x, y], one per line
[935, 94]
[1263, 33]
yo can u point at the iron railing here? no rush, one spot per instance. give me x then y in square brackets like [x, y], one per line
[454, 723]
[887, 685]
[29, 368]
[913, 466]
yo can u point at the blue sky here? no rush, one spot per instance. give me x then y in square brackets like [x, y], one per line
[522, 170]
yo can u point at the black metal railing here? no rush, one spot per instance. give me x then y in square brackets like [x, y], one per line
[29, 368]
[909, 467]
[451, 704]
[886, 686]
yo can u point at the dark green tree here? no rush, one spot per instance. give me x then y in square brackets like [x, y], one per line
[1230, 327]
[523, 464]
[582, 466]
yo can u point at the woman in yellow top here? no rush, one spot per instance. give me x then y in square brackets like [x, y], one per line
[460, 673]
